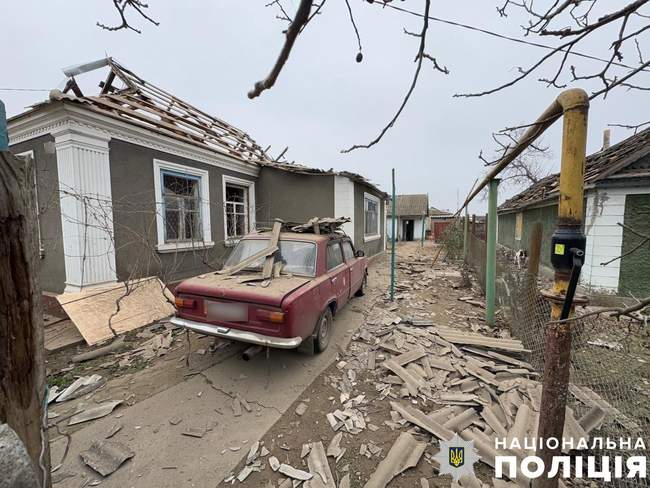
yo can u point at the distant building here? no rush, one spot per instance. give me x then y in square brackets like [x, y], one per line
[439, 219]
[617, 210]
[412, 215]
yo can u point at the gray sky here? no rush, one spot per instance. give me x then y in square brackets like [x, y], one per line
[211, 53]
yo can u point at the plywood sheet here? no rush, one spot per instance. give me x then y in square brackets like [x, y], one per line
[61, 335]
[140, 304]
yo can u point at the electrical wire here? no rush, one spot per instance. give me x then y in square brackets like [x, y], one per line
[25, 89]
[505, 37]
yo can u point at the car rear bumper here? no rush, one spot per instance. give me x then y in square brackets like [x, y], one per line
[238, 335]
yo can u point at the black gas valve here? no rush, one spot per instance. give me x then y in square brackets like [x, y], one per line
[562, 242]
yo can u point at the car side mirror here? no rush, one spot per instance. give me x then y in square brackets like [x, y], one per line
[359, 253]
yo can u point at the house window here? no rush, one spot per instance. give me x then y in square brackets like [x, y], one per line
[183, 207]
[519, 225]
[236, 211]
[181, 200]
[238, 207]
[370, 217]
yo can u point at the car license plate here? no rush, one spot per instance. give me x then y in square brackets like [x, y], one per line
[227, 312]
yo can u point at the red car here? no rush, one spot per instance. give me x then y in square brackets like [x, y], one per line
[321, 273]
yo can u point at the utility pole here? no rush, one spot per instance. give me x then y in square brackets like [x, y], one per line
[392, 250]
[22, 362]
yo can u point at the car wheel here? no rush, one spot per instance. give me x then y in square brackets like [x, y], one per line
[323, 331]
[362, 289]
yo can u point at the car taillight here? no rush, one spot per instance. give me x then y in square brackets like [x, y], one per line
[185, 302]
[270, 316]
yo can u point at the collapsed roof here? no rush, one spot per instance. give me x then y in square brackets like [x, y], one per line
[615, 162]
[126, 96]
[410, 205]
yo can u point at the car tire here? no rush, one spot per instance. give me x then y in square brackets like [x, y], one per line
[323, 332]
[362, 289]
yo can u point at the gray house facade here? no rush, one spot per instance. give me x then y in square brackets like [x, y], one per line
[136, 182]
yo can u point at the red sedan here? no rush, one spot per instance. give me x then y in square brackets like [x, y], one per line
[320, 274]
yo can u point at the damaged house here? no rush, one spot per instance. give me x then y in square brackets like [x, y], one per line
[134, 182]
[412, 212]
[616, 220]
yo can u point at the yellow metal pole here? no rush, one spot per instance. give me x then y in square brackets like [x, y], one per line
[568, 235]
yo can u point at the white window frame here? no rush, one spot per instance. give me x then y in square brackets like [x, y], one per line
[519, 225]
[371, 237]
[158, 167]
[250, 200]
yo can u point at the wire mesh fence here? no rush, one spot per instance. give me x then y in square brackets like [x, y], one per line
[610, 359]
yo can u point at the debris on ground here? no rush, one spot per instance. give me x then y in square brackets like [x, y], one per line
[80, 387]
[99, 411]
[142, 302]
[105, 457]
[431, 373]
[301, 409]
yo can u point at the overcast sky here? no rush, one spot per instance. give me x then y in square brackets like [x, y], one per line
[211, 52]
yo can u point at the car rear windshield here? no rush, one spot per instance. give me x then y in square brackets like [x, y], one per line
[298, 257]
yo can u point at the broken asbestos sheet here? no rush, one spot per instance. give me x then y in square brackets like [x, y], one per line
[404, 454]
[141, 302]
[106, 457]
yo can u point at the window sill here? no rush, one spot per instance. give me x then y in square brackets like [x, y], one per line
[371, 238]
[183, 246]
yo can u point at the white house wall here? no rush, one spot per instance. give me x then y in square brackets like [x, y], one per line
[344, 202]
[605, 209]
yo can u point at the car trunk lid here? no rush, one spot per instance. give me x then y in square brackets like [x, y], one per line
[237, 288]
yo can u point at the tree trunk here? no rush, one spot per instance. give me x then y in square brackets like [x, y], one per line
[22, 362]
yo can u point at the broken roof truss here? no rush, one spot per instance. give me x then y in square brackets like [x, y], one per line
[126, 96]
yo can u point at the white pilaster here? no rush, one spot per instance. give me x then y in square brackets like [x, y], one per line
[86, 205]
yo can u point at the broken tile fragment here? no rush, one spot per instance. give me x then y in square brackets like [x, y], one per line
[105, 457]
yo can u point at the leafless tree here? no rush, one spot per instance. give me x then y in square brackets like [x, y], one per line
[528, 168]
[571, 24]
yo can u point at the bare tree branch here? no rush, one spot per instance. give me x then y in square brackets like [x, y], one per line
[122, 6]
[420, 56]
[356, 31]
[299, 21]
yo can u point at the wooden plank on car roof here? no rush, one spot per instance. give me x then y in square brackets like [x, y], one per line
[248, 261]
[267, 270]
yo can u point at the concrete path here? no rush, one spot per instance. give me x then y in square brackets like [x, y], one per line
[164, 457]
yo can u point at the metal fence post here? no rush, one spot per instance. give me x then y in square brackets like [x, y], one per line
[568, 236]
[491, 258]
[392, 250]
[422, 238]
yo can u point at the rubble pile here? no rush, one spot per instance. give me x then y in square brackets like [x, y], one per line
[437, 382]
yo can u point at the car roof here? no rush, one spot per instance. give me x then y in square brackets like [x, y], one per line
[297, 236]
